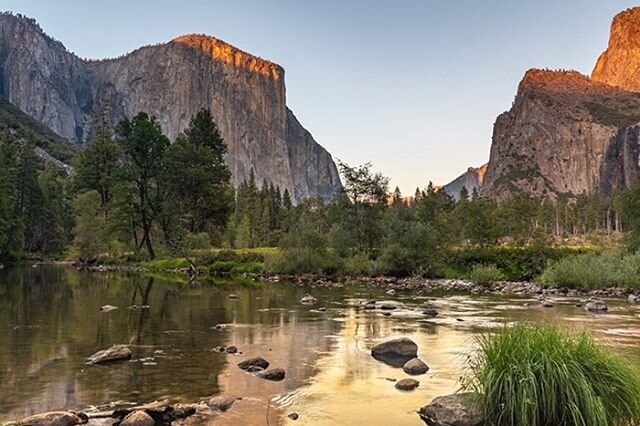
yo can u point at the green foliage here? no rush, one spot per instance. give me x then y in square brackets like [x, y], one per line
[358, 265]
[616, 112]
[612, 268]
[539, 375]
[91, 235]
[515, 263]
[485, 274]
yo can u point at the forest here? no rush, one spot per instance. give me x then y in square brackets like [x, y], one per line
[135, 196]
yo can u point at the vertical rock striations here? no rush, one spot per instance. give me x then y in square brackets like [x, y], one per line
[171, 81]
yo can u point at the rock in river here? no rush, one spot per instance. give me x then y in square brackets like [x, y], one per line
[452, 410]
[247, 364]
[138, 418]
[415, 367]
[108, 308]
[596, 306]
[395, 352]
[221, 402]
[275, 374]
[55, 418]
[632, 298]
[430, 313]
[407, 384]
[113, 354]
[308, 300]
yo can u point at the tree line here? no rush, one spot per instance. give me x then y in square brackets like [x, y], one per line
[135, 193]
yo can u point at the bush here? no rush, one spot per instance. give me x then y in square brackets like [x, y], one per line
[482, 274]
[516, 263]
[197, 241]
[592, 270]
[538, 375]
[301, 260]
[358, 265]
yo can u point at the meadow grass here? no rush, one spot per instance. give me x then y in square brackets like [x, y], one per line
[612, 268]
[534, 375]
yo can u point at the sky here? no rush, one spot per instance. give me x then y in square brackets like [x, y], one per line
[412, 86]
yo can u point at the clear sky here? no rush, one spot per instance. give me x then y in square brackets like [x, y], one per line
[413, 86]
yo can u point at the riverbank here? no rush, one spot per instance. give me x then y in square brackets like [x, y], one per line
[418, 285]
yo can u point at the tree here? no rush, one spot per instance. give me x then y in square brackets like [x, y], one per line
[367, 192]
[97, 168]
[91, 230]
[144, 147]
[199, 178]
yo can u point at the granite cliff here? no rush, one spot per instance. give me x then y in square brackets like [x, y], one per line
[472, 179]
[569, 134]
[171, 81]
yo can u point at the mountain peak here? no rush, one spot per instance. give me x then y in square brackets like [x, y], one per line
[561, 82]
[223, 51]
[619, 65]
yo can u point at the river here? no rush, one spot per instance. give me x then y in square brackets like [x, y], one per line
[50, 321]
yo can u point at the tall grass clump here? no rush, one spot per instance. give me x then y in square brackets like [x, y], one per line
[592, 270]
[531, 375]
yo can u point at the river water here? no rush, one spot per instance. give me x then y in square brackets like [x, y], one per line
[50, 321]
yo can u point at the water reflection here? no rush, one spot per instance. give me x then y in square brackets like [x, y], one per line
[50, 321]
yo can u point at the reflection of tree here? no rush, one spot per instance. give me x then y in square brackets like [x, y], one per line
[143, 313]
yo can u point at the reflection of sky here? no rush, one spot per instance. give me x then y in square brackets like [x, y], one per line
[331, 377]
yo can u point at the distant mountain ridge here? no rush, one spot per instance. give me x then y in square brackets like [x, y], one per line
[171, 81]
[568, 134]
[472, 179]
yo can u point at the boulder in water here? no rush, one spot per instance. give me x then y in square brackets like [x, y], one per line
[308, 300]
[415, 367]
[407, 384]
[108, 308]
[250, 363]
[221, 402]
[596, 306]
[458, 409]
[55, 418]
[275, 374]
[114, 354]
[395, 352]
[138, 418]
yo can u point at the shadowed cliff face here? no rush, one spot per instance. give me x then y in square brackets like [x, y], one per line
[570, 134]
[171, 81]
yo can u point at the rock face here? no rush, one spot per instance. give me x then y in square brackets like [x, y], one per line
[570, 134]
[619, 65]
[171, 81]
[472, 179]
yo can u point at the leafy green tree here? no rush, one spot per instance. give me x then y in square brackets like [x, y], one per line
[199, 178]
[144, 147]
[91, 233]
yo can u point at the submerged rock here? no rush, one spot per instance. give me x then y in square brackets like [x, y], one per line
[407, 384]
[248, 364]
[430, 313]
[395, 352]
[632, 298]
[55, 418]
[138, 418]
[275, 374]
[452, 410]
[391, 292]
[221, 402]
[232, 349]
[294, 416]
[114, 354]
[108, 308]
[547, 304]
[233, 297]
[370, 305]
[596, 306]
[415, 367]
[308, 300]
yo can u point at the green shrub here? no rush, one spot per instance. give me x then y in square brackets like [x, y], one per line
[538, 375]
[516, 263]
[591, 270]
[197, 241]
[301, 260]
[485, 274]
[358, 265]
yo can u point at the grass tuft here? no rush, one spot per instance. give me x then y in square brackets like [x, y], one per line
[539, 375]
